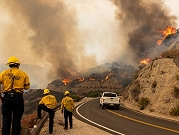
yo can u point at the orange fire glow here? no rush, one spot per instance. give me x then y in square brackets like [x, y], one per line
[169, 30]
[81, 79]
[145, 61]
[66, 81]
[91, 79]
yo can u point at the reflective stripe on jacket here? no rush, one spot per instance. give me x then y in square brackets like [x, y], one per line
[18, 77]
[49, 101]
[68, 103]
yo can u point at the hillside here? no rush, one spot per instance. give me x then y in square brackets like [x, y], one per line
[158, 84]
[108, 77]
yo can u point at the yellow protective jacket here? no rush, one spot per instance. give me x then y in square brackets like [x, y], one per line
[20, 78]
[49, 101]
[68, 103]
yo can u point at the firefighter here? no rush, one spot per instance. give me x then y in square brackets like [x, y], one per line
[14, 81]
[67, 107]
[48, 103]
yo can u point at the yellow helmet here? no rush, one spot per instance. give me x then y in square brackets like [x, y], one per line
[66, 93]
[13, 60]
[46, 91]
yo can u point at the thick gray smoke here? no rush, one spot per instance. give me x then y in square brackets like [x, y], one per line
[140, 21]
[54, 36]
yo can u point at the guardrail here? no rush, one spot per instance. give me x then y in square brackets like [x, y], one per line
[37, 128]
[39, 125]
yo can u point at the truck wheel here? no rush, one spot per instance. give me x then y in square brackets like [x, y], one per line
[102, 106]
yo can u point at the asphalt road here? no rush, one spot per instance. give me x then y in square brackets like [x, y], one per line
[124, 121]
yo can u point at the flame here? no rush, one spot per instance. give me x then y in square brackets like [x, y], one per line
[145, 61]
[107, 77]
[91, 79]
[169, 30]
[65, 81]
[81, 79]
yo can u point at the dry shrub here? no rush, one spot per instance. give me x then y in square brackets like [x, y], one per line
[143, 102]
[176, 92]
[27, 120]
[125, 95]
[174, 111]
[136, 74]
[141, 66]
[134, 91]
[154, 84]
[177, 76]
[170, 53]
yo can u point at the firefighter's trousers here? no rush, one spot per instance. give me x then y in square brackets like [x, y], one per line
[68, 116]
[12, 111]
[51, 113]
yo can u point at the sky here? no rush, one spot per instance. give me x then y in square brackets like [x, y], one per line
[65, 37]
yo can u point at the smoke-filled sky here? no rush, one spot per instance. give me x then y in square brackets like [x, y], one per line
[67, 36]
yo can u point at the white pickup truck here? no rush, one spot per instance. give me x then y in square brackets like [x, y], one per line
[109, 99]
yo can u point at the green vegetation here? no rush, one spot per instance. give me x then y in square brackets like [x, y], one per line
[174, 111]
[143, 102]
[75, 97]
[93, 93]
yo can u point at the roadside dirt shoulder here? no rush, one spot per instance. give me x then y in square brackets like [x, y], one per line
[148, 112]
[79, 127]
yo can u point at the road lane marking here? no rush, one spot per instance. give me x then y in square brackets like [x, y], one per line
[149, 124]
[94, 122]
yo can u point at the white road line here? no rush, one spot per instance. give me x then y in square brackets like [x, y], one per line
[96, 123]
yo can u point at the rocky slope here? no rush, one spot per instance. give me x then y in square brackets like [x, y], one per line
[158, 82]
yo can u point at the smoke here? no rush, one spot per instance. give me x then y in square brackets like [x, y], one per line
[65, 37]
[139, 22]
[48, 33]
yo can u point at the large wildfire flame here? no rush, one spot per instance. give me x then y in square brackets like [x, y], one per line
[169, 30]
[145, 61]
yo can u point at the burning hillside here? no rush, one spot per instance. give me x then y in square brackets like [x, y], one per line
[116, 78]
[170, 35]
[168, 31]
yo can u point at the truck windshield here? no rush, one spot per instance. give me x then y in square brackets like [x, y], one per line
[109, 95]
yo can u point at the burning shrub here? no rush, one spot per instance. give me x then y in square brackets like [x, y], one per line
[174, 111]
[143, 102]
